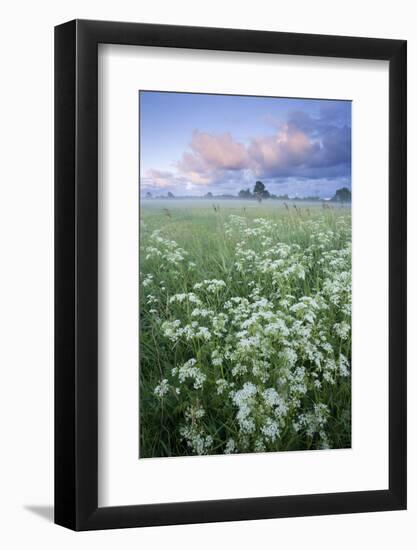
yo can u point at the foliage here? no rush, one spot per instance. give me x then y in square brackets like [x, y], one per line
[342, 195]
[260, 191]
[245, 194]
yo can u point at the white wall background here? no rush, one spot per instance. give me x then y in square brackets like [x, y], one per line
[26, 271]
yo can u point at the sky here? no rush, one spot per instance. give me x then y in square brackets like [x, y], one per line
[192, 144]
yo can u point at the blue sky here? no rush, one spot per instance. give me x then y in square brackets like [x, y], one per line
[191, 144]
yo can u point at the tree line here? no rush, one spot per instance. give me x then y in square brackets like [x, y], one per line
[260, 193]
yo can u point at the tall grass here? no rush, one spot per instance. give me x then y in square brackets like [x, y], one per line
[245, 338]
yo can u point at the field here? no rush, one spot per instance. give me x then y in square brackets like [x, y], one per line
[245, 327]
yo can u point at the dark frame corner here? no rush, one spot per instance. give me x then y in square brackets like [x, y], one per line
[76, 234]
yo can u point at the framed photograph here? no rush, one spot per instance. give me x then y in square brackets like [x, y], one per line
[230, 247]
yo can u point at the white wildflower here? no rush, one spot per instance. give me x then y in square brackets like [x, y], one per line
[270, 430]
[162, 388]
[189, 371]
[230, 447]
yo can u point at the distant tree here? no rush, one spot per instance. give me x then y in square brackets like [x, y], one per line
[342, 195]
[260, 191]
[245, 194]
[171, 195]
[209, 195]
[148, 195]
[259, 188]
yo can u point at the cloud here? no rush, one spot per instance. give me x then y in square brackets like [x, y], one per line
[211, 155]
[305, 146]
[290, 148]
[158, 179]
[301, 147]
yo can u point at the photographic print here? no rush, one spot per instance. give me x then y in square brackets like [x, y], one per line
[245, 274]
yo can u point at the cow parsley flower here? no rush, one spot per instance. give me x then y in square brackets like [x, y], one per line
[230, 447]
[216, 358]
[189, 371]
[222, 386]
[270, 430]
[162, 388]
[342, 330]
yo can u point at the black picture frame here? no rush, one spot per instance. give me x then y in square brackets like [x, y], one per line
[76, 272]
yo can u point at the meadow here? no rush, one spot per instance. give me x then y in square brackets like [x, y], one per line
[245, 327]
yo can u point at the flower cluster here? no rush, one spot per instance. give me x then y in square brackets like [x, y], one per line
[258, 358]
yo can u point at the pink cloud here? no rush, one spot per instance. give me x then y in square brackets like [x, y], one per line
[212, 154]
[220, 151]
[157, 178]
[290, 147]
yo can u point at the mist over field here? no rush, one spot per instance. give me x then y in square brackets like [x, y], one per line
[236, 205]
